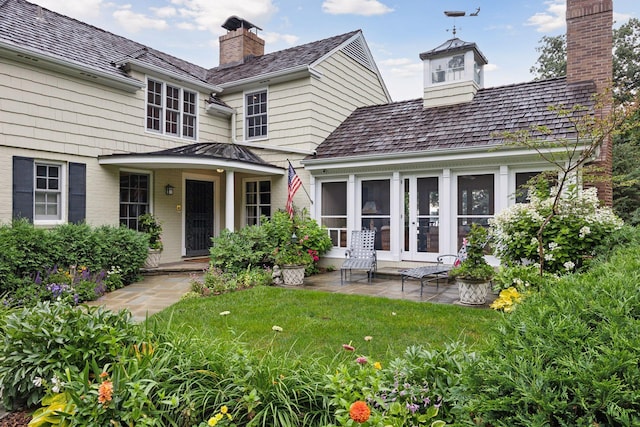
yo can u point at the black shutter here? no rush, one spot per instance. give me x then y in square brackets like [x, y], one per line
[77, 192]
[23, 188]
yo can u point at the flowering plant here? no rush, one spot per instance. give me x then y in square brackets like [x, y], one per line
[569, 238]
[474, 267]
[292, 254]
[148, 224]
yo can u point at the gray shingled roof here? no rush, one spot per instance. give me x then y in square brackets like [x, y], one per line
[30, 26]
[305, 54]
[408, 127]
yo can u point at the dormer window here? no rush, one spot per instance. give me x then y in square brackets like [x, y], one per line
[256, 115]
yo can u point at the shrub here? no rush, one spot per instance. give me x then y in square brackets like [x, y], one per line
[569, 239]
[568, 355]
[28, 251]
[50, 337]
[234, 251]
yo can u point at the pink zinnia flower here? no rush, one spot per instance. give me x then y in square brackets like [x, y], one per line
[362, 360]
[348, 347]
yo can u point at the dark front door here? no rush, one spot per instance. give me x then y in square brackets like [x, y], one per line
[198, 217]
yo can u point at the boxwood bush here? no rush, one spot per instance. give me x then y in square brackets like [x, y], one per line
[568, 355]
[26, 250]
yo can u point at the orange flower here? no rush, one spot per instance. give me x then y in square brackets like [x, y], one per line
[359, 411]
[105, 392]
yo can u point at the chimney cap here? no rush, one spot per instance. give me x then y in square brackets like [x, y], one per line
[234, 22]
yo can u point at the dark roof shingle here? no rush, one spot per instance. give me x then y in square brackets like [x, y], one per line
[408, 127]
[296, 56]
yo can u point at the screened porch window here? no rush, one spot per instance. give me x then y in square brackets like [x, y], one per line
[376, 210]
[334, 212]
[476, 202]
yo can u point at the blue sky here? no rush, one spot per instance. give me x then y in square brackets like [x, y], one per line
[397, 31]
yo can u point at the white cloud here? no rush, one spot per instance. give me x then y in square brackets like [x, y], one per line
[490, 67]
[164, 12]
[355, 7]
[208, 15]
[85, 10]
[272, 38]
[552, 19]
[135, 22]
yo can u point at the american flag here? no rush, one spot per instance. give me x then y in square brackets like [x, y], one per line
[294, 184]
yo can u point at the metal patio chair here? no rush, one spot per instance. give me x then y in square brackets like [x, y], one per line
[361, 254]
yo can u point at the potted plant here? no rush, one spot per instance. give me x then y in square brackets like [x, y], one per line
[149, 225]
[474, 274]
[292, 259]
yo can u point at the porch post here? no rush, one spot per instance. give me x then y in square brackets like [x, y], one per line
[229, 205]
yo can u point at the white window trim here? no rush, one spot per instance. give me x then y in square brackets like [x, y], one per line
[244, 114]
[244, 196]
[151, 186]
[164, 109]
[512, 179]
[62, 188]
[320, 216]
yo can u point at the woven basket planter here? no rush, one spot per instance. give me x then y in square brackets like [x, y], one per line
[153, 258]
[293, 275]
[472, 292]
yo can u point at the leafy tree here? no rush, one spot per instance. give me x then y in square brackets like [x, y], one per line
[552, 61]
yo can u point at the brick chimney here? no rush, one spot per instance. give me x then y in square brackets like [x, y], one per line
[590, 58]
[239, 42]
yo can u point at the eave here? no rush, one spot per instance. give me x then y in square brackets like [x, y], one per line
[279, 76]
[146, 68]
[151, 161]
[69, 67]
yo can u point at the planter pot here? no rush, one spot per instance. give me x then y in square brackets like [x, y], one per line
[472, 292]
[293, 275]
[153, 258]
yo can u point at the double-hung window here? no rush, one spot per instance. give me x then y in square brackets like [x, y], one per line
[134, 198]
[171, 110]
[256, 115]
[257, 201]
[48, 192]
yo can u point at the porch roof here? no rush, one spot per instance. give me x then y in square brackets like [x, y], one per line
[407, 128]
[203, 155]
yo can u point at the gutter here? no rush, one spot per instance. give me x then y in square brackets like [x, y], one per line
[142, 66]
[85, 72]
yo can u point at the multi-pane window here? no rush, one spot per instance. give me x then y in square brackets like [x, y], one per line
[48, 192]
[189, 114]
[334, 212]
[134, 198]
[257, 201]
[171, 110]
[256, 114]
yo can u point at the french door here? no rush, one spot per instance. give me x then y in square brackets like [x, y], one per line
[421, 218]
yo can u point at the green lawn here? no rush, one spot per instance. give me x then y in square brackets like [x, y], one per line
[320, 322]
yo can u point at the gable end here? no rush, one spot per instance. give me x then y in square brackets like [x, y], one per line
[357, 51]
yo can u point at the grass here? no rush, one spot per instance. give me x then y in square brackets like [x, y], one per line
[316, 322]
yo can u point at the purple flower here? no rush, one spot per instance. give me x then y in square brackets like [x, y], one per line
[413, 407]
[362, 360]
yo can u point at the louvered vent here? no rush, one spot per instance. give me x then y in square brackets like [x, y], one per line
[356, 51]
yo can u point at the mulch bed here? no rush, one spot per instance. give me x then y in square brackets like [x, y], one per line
[16, 419]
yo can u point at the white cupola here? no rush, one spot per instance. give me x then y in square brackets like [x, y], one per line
[453, 73]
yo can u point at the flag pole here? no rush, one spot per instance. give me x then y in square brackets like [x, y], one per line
[302, 185]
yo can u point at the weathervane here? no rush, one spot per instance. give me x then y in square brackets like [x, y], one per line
[458, 14]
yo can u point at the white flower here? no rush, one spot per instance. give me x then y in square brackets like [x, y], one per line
[393, 313]
[569, 266]
[584, 231]
[368, 338]
[56, 384]
[548, 256]
[37, 382]
[276, 328]
[553, 246]
[225, 313]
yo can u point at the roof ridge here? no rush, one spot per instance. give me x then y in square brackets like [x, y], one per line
[297, 47]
